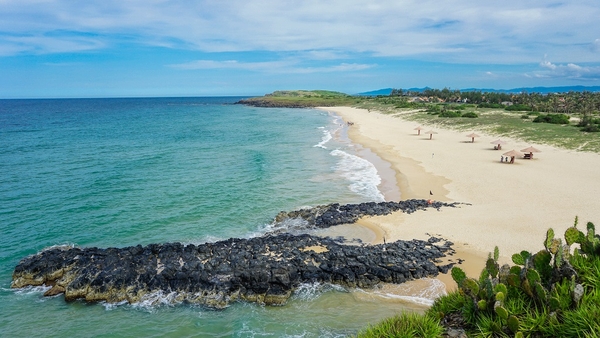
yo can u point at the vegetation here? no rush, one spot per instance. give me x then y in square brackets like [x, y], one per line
[302, 98]
[570, 120]
[552, 118]
[552, 293]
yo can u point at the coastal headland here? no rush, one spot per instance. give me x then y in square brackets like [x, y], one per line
[511, 205]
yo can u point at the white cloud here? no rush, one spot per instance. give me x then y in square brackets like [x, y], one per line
[568, 71]
[451, 30]
[288, 66]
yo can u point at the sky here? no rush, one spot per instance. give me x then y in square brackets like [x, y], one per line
[140, 48]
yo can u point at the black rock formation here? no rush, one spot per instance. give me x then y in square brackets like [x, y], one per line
[263, 269]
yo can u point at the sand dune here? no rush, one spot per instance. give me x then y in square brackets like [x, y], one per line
[512, 205]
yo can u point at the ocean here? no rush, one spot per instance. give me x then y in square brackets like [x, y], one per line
[121, 172]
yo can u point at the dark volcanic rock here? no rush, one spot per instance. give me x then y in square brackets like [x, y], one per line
[263, 269]
[325, 216]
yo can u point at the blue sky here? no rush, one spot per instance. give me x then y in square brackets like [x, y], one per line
[121, 48]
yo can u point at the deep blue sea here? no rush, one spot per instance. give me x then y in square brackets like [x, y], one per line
[122, 172]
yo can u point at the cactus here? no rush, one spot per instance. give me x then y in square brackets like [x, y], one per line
[591, 231]
[549, 238]
[500, 287]
[553, 303]
[572, 235]
[541, 263]
[492, 267]
[482, 305]
[521, 258]
[540, 292]
[458, 275]
[556, 243]
[496, 253]
[470, 287]
[513, 324]
[501, 311]
[519, 335]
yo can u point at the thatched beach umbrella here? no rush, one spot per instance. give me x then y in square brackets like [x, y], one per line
[512, 154]
[530, 150]
[418, 129]
[431, 132]
[499, 143]
[472, 136]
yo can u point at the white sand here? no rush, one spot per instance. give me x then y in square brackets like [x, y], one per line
[512, 204]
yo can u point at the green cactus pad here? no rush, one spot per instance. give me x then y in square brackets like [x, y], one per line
[591, 230]
[501, 312]
[482, 305]
[458, 275]
[541, 262]
[496, 253]
[470, 286]
[500, 296]
[572, 235]
[532, 276]
[492, 267]
[500, 287]
[549, 238]
[515, 270]
[540, 292]
[513, 324]
[556, 243]
[513, 280]
[518, 259]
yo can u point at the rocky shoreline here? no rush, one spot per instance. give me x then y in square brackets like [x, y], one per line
[264, 269]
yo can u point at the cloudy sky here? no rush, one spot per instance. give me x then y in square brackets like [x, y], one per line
[108, 48]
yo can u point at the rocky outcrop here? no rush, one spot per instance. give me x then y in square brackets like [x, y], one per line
[270, 103]
[335, 214]
[263, 269]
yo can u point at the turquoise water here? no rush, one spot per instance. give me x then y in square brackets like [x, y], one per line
[120, 172]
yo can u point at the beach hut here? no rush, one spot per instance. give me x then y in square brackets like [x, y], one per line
[498, 144]
[472, 136]
[512, 154]
[431, 132]
[418, 129]
[530, 150]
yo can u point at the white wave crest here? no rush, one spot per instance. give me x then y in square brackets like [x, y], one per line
[30, 290]
[361, 173]
[312, 291]
[159, 298]
[326, 138]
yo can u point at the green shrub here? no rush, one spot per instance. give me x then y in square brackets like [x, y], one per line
[591, 128]
[490, 105]
[552, 118]
[450, 113]
[518, 107]
[470, 115]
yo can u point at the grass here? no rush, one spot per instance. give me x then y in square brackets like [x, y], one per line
[534, 317]
[493, 121]
[499, 122]
[406, 325]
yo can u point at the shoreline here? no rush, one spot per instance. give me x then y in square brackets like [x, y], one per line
[512, 206]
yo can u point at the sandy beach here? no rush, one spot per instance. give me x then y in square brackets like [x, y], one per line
[511, 205]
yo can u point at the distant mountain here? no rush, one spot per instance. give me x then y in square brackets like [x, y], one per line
[543, 90]
[385, 91]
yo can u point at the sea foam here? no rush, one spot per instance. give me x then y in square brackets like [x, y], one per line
[361, 173]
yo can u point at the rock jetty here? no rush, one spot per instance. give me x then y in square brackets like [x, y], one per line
[335, 214]
[264, 269]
